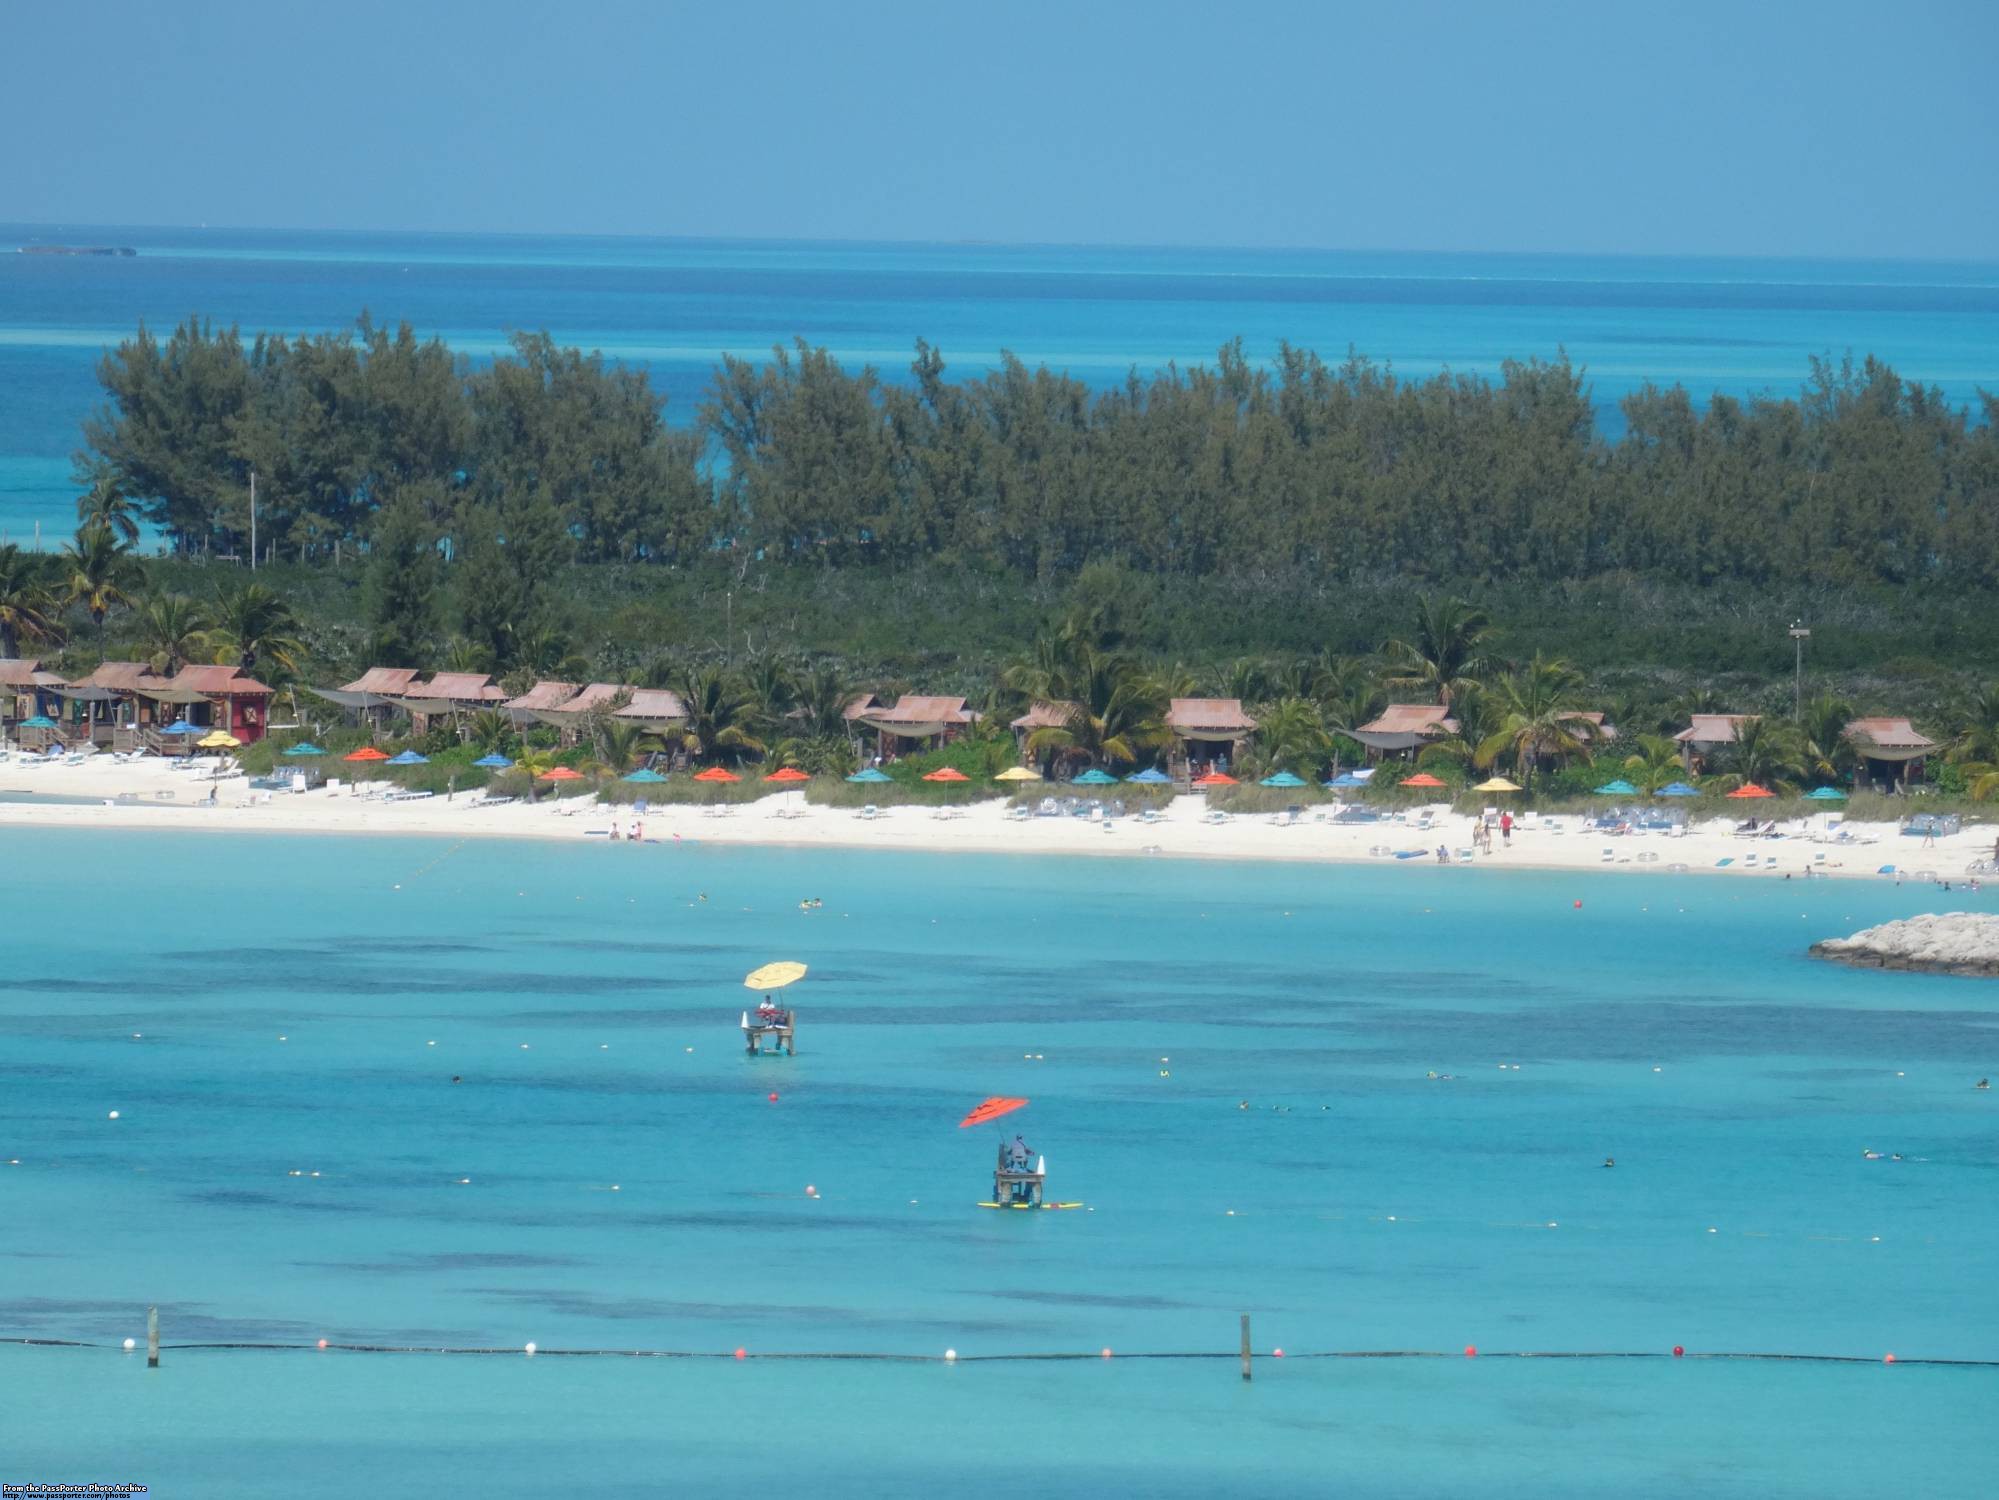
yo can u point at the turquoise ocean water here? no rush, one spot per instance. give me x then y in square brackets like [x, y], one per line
[1737, 325]
[291, 1163]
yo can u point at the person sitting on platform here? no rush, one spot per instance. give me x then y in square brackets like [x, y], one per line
[1018, 1155]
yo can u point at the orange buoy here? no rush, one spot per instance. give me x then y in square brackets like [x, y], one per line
[1889, 1360]
[742, 1354]
[1471, 1351]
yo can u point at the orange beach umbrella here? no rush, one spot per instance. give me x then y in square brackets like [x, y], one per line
[717, 773]
[788, 773]
[1216, 778]
[946, 773]
[367, 752]
[992, 1109]
[1422, 779]
[562, 773]
[1750, 789]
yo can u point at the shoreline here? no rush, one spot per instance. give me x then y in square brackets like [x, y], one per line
[1711, 848]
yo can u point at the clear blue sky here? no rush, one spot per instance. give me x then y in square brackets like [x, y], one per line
[1821, 128]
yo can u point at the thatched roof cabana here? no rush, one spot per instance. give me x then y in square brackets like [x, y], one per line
[597, 695]
[1705, 731]
[1404, 726]
[917, 717]
[378, 687]
[1044, 716]
[1889, 739]
[653, 708]
[546, 694]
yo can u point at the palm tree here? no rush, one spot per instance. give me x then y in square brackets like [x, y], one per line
[1115, 715]
[102, 505]
[99, 569]
[1654, 763]
[173, 630]
[255, 624]
[720, 716]
[1477, 715]
[1291, 736]
[620, 745]
[1247, 679]
[28, 605]
[1450, 651]
[1538, 718]
[1766, 753]
[771, 688]
[1978, 740]
[1825, 753]
[821, 697]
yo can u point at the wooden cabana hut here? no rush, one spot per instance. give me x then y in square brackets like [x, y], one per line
[1040, 716]
[568, 716]
[218, 697]
[917, 721]
[373, 694]
[26, 690]
[528, 707]
[110, 708]
[657, 709]
[1891, 751]
[1705, 734]
[1207, 730]
[1402, 728]
[446, 694]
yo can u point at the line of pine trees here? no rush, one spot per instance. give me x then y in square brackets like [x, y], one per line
[547, 455]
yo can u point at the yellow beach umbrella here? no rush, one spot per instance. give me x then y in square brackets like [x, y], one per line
[219, 740]
[1018, 773]
[1496, 784]
[774, 976]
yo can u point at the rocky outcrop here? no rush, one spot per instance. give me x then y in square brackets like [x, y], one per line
[1954, 942]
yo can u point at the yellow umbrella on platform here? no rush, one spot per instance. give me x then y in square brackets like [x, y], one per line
[774, 976]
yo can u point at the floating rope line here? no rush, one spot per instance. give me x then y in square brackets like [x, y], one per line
[832, 1357]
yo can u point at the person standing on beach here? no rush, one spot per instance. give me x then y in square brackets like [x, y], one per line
[1506, 829]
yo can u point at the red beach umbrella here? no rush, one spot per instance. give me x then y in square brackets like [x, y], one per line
[1750, 789]
[367, 752]
[1216, 778]
[992, 1109]
[946, 773]
[788, 774]
[1422, 779]
[717, 773]
[562, 773]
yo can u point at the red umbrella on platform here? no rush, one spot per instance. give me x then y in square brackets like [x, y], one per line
[992, 1109]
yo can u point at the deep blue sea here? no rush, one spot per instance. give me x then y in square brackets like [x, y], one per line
[1742, 326]
[1229, 1064]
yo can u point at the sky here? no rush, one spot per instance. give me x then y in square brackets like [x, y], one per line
[1675, 126]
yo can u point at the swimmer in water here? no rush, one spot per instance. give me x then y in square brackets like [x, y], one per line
[456, 1079]
[1610, 1161]
[1866, 1155]
[1983, 1083]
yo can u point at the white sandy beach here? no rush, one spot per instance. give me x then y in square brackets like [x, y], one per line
[158, 797]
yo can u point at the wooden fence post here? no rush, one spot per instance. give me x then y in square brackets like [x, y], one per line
[1245, 1346]
[152, 1338]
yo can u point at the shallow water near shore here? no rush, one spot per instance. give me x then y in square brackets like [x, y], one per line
[292, 1162]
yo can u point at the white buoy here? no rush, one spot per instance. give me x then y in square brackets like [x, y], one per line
[130, 1345]
[114, 1114]
[529, 1350]
[950, 1355]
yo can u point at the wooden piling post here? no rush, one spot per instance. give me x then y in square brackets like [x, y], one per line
[152, 1338]
[1245, 1346]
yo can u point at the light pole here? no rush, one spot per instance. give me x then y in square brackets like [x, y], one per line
[1799, 635]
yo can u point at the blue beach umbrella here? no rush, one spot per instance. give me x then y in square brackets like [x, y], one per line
[1825, 794]
[1282, 778]
[1348, 778]
[1618, 788]
[1677, 789]
[645, 775]
[1095, 777]
[492, 762]
[303, 749]
[409, 758]
[39, 721]
[871, 775]
[1151, 776]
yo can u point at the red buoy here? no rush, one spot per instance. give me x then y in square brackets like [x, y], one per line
[773, 1098]
[1471, 1351]
[322, 1343]
[1679, 1350]
[1889, 1360]
[1579, 906]
[742, 1354]
[1277, 1354]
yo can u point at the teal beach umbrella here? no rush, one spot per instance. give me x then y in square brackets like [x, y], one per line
[871, 776]
[1095, 777]
[1618, 788]
[1282, 778]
